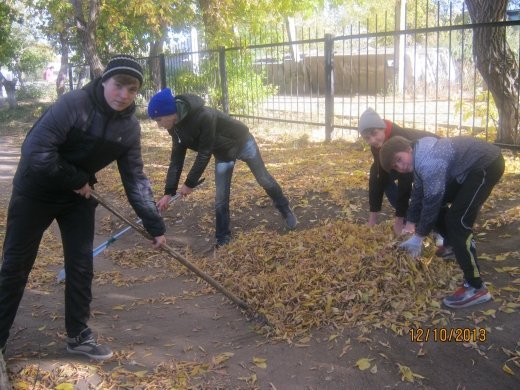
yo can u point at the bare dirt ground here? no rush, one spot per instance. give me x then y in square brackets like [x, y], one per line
[156, 320]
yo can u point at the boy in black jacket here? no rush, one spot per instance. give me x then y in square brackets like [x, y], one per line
[84, 131]
[209, 132]
[376, 131]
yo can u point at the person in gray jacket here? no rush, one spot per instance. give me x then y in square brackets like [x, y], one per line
[84, 131]
[453, 177]
[208, 131]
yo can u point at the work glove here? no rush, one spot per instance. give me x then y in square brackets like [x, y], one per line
[413, 245]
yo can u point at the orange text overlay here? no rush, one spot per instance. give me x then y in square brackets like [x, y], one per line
[447, 335]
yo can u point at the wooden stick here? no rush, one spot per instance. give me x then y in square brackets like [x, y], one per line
[177, 256]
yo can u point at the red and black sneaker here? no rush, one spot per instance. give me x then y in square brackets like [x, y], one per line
[467, 296]
[446, 252]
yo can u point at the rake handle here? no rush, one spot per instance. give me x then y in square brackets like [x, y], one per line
[166, 248]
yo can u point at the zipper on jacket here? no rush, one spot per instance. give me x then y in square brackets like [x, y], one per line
[177, 134]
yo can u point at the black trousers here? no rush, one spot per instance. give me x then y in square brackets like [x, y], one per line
[457, 217]
[27, 219]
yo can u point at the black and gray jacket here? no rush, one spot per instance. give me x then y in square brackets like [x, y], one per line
[379, 178]
[76, 137]
[437, 163]
[208, 132]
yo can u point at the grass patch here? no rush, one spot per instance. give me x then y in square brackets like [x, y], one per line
[18, 121]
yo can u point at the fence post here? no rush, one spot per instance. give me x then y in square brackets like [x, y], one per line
[223, 78]
[329, 86]
[399, 46]
[162, 70]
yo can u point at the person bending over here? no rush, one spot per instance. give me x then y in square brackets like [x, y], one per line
[397, 186]
[193, 125]
[453, 177]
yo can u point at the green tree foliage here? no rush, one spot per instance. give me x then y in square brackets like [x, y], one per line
[8, 16]
[30, 56]
[21, 49]
[246, 88]
[55, 21]
[141, 22]
[33, 59]
[227, 22]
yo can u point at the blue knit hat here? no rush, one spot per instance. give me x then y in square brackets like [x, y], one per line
[162, 104]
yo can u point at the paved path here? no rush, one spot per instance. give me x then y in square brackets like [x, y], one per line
[9, 157]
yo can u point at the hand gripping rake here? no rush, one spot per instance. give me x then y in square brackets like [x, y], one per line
[101, 247]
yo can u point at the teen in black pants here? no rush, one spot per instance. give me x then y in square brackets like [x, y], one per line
[84, 131]
[453, 177]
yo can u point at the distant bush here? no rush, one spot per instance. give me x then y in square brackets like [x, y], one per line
[31, 91]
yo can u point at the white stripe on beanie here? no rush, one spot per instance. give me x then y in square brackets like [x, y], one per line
[119, 68]
[125, 65]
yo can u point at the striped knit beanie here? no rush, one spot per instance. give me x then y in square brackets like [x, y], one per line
[123, 64]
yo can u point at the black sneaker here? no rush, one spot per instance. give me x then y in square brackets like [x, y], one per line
[220, 243]
[289, 218]
[85, 344]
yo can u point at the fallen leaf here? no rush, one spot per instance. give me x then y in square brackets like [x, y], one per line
[407, 375]
[221, 358]
[507, 370]
[363, 364]
[65, 386]
[259, 362]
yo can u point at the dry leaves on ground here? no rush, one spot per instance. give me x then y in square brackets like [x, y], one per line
[338, 274]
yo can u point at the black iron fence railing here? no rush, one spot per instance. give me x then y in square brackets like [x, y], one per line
[423, 78]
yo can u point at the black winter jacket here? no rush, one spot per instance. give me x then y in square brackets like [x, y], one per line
[379, 178]
[208, 132]
[76, 137]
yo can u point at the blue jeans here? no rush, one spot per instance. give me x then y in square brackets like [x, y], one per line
[250, 154]
[391, 189]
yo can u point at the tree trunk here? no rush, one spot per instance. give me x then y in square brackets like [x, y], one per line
[87, 32]
[210, 20]
[156, 48]
[497, 65]
[10, 90]
[62, 74]
[82, 77]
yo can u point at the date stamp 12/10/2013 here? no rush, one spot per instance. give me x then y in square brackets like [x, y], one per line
[447, 335]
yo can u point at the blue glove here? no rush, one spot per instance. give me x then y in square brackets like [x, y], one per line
[413, 245]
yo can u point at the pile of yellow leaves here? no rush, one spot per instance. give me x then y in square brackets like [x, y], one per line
[168, 375]
[339, 274]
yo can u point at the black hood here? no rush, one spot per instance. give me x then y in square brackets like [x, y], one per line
[187, 105]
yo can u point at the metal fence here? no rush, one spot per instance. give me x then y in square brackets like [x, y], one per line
[423, 78]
